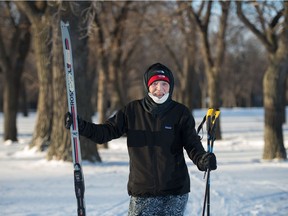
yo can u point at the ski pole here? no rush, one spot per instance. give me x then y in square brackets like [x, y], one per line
[211, 118]
[207, 188]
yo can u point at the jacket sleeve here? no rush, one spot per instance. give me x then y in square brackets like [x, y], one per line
[113, 128]
[192, 142]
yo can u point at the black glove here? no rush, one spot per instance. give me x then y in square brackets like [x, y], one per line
[68, 121]
[207, 161]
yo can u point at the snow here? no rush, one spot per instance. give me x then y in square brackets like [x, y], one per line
[243, 184]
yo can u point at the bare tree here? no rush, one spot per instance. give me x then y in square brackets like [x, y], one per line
[112, 55]
[102, 66]
[177, 35]
[39, 15]
[271, 28]
[189, 81]
[117, 14]
[12, 61]
[213, 56]
[49, 128]
[76, 14]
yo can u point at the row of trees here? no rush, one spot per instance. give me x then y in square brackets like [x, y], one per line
[220, 50]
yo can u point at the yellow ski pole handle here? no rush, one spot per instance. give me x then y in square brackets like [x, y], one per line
[209, 112]
[213, 114]
[216, 114]
[209, 119]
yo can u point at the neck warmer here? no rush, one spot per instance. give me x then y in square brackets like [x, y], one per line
[159, 100]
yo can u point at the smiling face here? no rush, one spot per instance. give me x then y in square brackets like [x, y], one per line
[159, 88]
[158, 72]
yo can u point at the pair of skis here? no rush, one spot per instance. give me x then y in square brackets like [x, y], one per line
[211, 119]
[72, 107]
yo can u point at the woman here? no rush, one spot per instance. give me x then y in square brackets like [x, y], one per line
[158, 129]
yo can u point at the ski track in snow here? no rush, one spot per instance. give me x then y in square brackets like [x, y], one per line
[242, 185]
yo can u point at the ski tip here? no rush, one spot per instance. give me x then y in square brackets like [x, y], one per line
[64, 24]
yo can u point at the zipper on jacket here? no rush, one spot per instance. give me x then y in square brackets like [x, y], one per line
[154, 158]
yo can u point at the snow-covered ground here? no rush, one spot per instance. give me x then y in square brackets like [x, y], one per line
[243, 184]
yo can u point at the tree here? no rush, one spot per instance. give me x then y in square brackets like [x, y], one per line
[60, 147]
[12, 61]
[178, 27]
[271, 28]
[213, 56]
[189, 81]
[112, 55]
[111, 26]
[39, 15]
[49, 130]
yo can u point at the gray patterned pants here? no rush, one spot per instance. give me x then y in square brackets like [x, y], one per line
[172, 205]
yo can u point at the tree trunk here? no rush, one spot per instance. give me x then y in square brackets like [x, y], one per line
[10, 105]
[38, 14]
[23, 99]
[186, 91]
[11, 92]
[102, 67]
[273, 84]
[41, 35]
[13, 67]
[60, 148]
[213, 79]
[101, 100]
[274, 92]
[116, 82]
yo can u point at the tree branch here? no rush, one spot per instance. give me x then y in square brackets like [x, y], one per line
[221, 34]
[30, 11]
[260, 35]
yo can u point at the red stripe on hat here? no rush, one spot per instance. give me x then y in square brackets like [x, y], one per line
[158, 77]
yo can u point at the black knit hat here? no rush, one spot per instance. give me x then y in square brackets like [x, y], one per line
[158, 71]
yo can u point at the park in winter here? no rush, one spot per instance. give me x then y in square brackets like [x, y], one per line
[243, 183]
[93, 62]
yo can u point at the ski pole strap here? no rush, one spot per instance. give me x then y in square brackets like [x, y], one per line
[211, 118]
[201, 124]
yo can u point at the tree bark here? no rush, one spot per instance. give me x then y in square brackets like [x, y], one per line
[43, 126]
[273, 83]
[13, 66]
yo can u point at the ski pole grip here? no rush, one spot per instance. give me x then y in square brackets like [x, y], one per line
[209, 120]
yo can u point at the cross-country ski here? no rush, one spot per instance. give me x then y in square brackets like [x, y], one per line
[72, 107]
